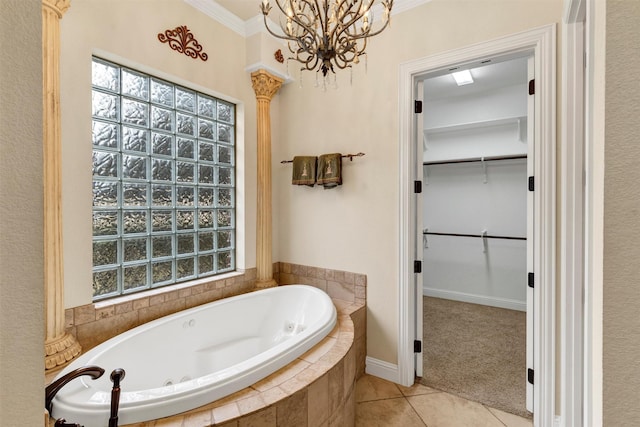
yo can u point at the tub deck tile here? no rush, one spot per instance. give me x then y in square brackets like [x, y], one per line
[226, 412]
[273, 395]
[199, 419]
[319, 350]
[243, 394]
[281, 376]
[251, 404]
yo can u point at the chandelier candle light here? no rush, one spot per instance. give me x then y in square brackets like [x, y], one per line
[324, 34]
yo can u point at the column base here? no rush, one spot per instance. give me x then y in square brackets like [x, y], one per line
[60, 351]
[269, 283]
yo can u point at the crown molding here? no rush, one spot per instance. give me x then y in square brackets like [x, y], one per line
[255, 25]
[214, 10]
[262, 66]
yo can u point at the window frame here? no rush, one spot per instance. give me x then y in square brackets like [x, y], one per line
[125, 184]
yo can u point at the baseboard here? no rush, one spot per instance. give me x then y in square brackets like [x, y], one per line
[381, 369]
[475, 299]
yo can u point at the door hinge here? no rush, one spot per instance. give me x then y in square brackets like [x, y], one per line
[530, 376]
[532, 87]
[530, 280]
[417, 107]
[531, 184]
[417, 266]
[417, 346]
[417, 187]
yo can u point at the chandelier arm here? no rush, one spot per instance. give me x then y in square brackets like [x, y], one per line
[294, 18]
[347, 48]
[276, 34]
[340, 27]
[368, 33]
[311, 55]
[324, 24]
[387, 5]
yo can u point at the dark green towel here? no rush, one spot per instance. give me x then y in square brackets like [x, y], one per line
[304, 170]
[330, 170]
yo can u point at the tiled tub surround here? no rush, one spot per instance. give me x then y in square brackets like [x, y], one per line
[319, 385]
[316, 390]
[344, 285]
[93, 324]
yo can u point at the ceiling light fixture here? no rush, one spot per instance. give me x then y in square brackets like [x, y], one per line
[325, 34]
[463, 77]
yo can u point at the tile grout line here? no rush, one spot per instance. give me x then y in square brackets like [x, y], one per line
[416, 412]
[494, 415]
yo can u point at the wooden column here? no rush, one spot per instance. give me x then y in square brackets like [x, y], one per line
[60, 347]
[265, 86]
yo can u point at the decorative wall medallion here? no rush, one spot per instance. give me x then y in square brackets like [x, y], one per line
[278, 56]
[182, 40]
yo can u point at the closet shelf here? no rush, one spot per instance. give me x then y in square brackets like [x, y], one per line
[519, 120]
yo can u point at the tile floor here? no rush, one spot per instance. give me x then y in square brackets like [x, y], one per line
[380, 403]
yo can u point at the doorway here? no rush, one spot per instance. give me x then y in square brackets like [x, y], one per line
[540, 42]
[476, 210]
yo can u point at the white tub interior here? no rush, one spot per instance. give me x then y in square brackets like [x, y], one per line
[196, 356]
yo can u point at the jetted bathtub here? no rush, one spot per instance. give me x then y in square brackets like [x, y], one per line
[191, 358]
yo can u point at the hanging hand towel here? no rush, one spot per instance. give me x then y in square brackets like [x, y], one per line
[304, 170]
[330, 170]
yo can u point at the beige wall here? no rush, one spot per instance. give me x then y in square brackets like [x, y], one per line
[126, 31]
[21, 227]
[355, 227]
[621, 320]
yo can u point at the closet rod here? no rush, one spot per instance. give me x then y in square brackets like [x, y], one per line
[476, 159]
[488, 236]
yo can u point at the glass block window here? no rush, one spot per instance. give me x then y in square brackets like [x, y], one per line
[163, 182]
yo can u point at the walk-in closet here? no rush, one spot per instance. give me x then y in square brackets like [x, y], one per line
[475, 218]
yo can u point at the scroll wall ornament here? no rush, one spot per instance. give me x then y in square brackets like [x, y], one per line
[181, 39]
[279, 56]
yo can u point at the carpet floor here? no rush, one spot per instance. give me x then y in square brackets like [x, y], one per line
[476, 352]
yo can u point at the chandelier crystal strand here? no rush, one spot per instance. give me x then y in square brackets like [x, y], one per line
[323, 35]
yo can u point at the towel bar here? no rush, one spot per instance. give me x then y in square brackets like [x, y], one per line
[350, 156]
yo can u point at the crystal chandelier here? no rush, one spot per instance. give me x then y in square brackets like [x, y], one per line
[324, 34]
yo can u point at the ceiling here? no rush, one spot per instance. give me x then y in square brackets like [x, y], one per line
[488, 74]
[243, 9]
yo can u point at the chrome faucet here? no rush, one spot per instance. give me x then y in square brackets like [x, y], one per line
[52, 389]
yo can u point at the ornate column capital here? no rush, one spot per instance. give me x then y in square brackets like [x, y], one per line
[265, 85]
[57, 6]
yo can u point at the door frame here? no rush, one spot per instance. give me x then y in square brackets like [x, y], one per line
[542, 43]
[574, 375]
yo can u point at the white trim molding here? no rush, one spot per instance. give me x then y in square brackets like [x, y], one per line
[541, 42]
[260, 66]
[213, 9]
[492, 301]
[572, 215]
[381, 369]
